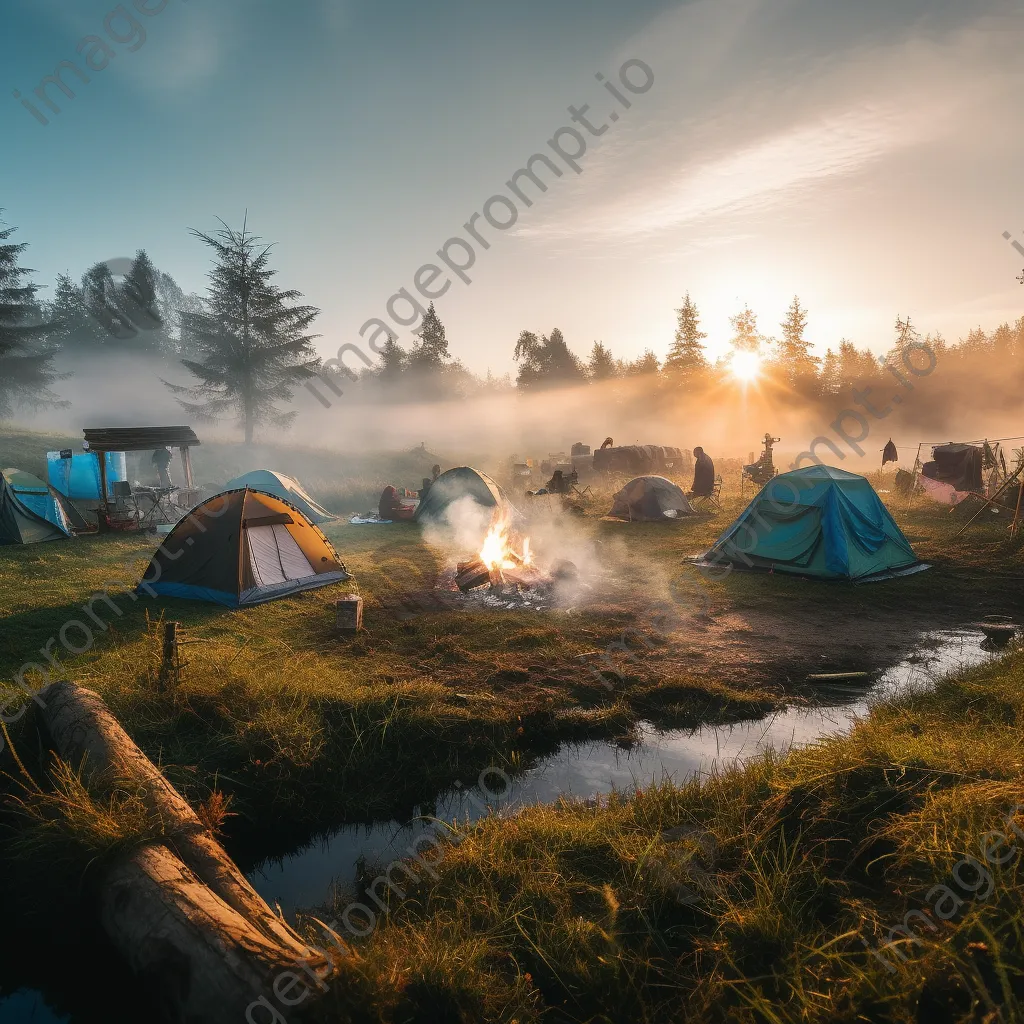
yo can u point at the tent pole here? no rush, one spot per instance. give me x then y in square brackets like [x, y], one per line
[991, 501]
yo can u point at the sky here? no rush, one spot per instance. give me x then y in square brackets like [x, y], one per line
[864, 156]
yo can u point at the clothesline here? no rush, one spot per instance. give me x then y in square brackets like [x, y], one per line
[990, 440]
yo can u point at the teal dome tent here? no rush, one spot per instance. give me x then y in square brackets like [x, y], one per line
[818, 522]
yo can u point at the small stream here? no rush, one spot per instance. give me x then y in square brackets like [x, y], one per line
[310, 876]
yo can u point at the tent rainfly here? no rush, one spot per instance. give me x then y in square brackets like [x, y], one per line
[286, 487]
[241, 548]
[650, 499]
[460, 483]
[30, 512]
[819, 522]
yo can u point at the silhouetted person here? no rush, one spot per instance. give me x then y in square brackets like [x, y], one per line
[392, 507]
[703, 475]
[162, 460]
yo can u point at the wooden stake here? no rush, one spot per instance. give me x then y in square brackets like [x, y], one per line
[170, 672]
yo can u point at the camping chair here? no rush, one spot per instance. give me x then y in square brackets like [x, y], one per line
[710, 502]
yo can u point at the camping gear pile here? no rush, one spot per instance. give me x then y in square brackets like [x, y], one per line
[639, 459]
[818, 522]
[760, 472]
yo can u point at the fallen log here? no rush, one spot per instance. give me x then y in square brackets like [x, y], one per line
[204, 962]
[85, 732]
[181, 914]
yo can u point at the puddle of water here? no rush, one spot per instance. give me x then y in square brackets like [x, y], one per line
[307, 878]
[26, 1006]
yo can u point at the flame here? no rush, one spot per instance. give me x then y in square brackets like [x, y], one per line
[496, 551]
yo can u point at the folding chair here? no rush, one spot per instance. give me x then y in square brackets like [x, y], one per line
[709, 502]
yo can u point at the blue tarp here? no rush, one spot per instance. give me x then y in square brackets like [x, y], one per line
[78, 478]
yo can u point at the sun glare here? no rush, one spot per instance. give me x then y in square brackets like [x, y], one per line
[745, 366]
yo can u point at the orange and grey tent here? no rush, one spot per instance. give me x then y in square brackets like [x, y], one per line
[240, 548]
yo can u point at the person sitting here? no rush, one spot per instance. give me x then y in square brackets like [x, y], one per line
[557, 484]
[703, 475]
[392, 507]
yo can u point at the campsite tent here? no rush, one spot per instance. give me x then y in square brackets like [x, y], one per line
[29, 511]
[819, 522]
[241, 548]
[286, 487]
[460, 483]
[649, 499]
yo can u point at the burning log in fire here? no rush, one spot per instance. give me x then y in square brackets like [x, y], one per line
[498, 564]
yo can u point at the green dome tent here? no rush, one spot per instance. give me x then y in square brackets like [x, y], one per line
[819, 522]
[285, 487]
[29, 511]
[460, 483]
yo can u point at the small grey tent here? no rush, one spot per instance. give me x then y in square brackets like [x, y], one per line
[29, 511]
[458, 483]
[650, 499]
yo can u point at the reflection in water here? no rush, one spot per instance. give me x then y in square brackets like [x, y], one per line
[307, 878]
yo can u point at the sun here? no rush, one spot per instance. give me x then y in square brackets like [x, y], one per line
[745, 366]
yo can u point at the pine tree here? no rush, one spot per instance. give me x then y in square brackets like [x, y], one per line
[26, 362]
[828, 379]
[431, 353]
[138, 298]
[393, 361]
[794, 355]
[686, 361]
[252, 341]
[547, 362]
[602, 364]
[745, 334]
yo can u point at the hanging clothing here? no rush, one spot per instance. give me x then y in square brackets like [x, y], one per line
[890, 454]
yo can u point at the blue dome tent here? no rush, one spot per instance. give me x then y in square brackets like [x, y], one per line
[819, 522]
[284, 487]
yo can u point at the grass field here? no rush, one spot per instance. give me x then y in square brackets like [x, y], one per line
[557, 911]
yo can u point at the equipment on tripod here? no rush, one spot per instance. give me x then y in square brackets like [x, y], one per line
[760, 472]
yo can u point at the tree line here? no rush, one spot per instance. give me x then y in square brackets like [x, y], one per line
[247, 343]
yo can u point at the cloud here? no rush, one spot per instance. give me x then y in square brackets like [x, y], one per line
[746, 137]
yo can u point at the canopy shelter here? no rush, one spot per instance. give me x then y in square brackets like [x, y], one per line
[464, 481]
[30, 512]
[140, 439]
[650, 499]
[241, 548]
[820, 522]
[286, 487]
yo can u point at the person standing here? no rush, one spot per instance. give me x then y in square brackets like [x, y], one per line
[703, 475]
[162, 460]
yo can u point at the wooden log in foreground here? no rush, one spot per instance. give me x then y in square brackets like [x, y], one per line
[188, 918]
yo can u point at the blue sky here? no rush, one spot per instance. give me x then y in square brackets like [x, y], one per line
[864, 155]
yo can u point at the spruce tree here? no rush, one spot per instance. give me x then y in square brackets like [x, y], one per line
[745, 334]
[602, 365]
[251, 339]
[26, 361]
[686, 361]
[798, 365]
[432, 351]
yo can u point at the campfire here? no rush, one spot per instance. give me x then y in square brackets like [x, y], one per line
[502, 569]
